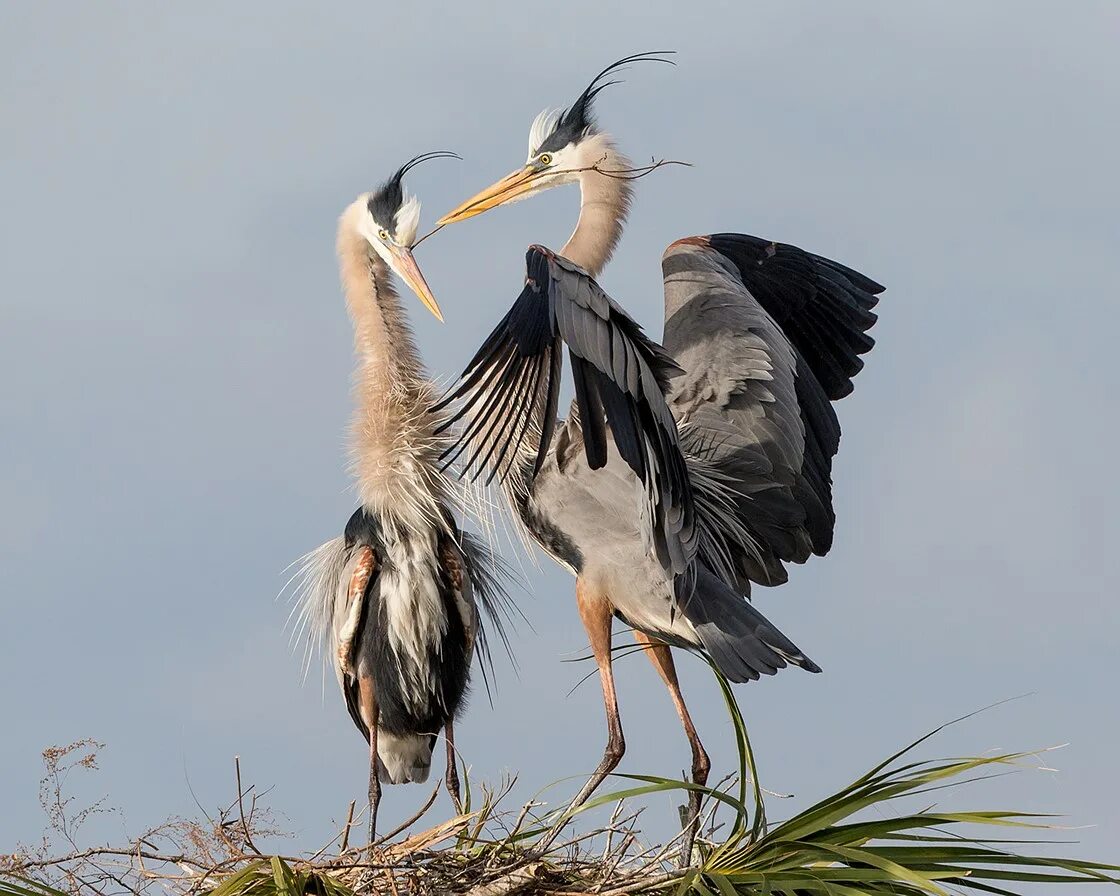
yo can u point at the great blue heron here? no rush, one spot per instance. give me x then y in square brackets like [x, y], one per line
[665, 532]
[395, 596]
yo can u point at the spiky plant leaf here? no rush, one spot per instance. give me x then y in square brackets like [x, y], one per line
[826, 849]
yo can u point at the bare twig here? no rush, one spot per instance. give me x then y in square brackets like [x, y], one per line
[610, 827]
[39, 864]
[516, 880]
[241, 808]
[410, 822]
[522, 815]
[346, 829]
[634, 173]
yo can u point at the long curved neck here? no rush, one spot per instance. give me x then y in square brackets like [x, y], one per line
[393, 446]
[383, 340]
[604, 205]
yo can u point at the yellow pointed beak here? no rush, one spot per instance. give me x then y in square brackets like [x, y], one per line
[406, 267]
[512, 186]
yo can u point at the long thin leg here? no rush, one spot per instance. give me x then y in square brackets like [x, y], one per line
[596, 613]
[370, 714]
[452, 778]
[662, 659]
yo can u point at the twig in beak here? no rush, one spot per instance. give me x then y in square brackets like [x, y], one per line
[428, 234]
[636, 173]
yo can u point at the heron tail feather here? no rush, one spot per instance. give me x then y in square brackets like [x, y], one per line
[742, 642]
[404, 758]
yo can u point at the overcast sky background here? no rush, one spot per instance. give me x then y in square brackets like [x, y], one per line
[175, 359]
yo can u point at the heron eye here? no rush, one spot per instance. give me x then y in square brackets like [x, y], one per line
[545, 158]
[383, 235]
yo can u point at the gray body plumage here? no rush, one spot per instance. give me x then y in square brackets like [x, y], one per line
[731, 391]
[758, 434]
[599, 513]
[743, 439]
[750, 399]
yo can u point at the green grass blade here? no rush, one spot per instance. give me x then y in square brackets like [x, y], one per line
[285, 880]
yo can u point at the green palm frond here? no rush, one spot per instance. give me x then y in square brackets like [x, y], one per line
[830, 848]
[275, 877]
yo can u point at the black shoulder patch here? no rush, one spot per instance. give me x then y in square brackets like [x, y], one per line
[363, 528]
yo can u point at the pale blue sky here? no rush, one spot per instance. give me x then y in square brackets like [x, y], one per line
[175, 358]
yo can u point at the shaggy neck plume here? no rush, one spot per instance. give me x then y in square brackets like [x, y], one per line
[604, 205]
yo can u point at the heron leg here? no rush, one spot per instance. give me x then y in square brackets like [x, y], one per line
[452, 778]
[596, 612]
[370, 716]
[662, 658]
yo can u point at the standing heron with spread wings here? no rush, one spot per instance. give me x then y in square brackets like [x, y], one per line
[686, 470]
[395, 598]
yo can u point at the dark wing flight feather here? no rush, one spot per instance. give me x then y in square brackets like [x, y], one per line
[507, 397]
[823, 306]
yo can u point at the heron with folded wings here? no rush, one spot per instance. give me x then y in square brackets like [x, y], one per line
[395, 599]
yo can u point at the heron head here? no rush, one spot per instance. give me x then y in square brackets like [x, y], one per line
[563, 144]
[389, 223]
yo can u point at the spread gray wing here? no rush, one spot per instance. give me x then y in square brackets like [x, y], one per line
[769, 336]
[506, 400]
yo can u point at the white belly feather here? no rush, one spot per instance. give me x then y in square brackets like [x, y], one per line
[414, 611]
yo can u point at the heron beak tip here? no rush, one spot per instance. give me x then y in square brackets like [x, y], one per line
[409, 271]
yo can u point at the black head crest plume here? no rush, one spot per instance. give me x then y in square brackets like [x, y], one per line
[387, 198]
[579, 116]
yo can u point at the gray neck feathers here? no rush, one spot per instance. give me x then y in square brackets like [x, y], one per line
[604, 205]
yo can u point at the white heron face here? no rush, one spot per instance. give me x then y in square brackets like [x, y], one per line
[554, 168]
[399, 231]
[553, 155]
[392, 240]
[376, 233]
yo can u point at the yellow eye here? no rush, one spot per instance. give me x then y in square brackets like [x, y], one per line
[383, 235]
[545, 158]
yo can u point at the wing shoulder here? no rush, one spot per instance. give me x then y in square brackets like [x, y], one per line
[358, 587]
[507, 397]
